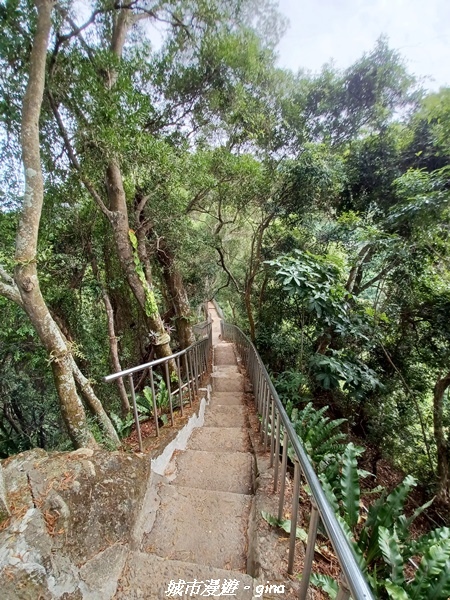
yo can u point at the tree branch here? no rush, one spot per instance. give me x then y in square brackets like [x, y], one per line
[225, 268]
[73, 158]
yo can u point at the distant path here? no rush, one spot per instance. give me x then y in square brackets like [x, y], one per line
[215, 323]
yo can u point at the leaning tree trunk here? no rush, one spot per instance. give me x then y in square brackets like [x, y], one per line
[113, 344]
[177, 294]
[442, 443]
[126, 244]
[26, 276]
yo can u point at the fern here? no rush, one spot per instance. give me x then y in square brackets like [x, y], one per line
[353, 543]
[350, 485]
[326, 583]
[395, 591]
[284, 524]
[437, 536]
[435, 562]
[390, 548]
[331, 497]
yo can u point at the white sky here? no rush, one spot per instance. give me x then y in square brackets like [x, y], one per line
[343, 30]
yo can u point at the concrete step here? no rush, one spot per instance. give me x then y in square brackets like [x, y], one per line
[227, 399]
[147, 577]
[200, 526]
[225, 381]
[220, 439]
[224, 354]
[215, 471]
[226, 416]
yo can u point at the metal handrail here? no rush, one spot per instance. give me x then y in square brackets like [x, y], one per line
[274, 418]
[186, 367]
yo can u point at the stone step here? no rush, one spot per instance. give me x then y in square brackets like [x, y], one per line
[226, 416]
[224, 381]
[225, 371]
[200, 526]
[227, 399]
[215, 471]
[148, 577]
[220, 439]
[224, 354]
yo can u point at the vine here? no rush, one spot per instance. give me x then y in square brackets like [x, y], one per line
[150, 308]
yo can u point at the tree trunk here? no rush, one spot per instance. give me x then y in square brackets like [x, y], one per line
[27, 235]
[141, 288]
[442, 444]
[177, 294]
[113, 345]
[248, 307]
[134, 273]
[26, 277]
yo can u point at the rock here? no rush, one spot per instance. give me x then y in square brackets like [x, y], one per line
[100, 575]
[72, 517]
[82, 453]
[4, 506]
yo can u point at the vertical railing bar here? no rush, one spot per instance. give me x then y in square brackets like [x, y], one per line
[169, 391]
[266, 417]
[283, 474]
[294, 516]
[180, 390]
[272, 432]
[309, 552]
[135, 411]
[188, 380]
[344, 592]
[155, 405]
[195, 370]
[277, 454]
[264, 391]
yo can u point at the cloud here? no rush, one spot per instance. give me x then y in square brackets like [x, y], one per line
[343, 30]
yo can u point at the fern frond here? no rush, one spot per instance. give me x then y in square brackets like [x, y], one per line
[396, 592]
[326, 583]
[434, 562]
[390, 548]
[350, 484]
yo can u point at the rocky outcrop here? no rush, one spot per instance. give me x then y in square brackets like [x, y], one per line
[70, 523]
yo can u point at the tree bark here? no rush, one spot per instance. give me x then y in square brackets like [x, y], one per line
[118, 215]
[26, 276]
[442, 443]
[139, 286]
[177, 294]
[113, 345]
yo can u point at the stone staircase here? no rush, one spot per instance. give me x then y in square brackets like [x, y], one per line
[196, 540]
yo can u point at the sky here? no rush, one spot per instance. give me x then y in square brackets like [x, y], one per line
[343, 30]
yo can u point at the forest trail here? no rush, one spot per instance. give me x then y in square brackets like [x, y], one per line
[200, 533]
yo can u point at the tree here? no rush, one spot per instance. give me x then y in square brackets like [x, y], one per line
[24, 288]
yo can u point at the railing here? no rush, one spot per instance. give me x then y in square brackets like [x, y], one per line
[181, 373]
[275, 424]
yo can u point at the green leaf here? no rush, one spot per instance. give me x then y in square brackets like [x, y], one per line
[396, 592]
[326, 583]
[435, 561]
[284, 524]
[350, 485]
[390, 548]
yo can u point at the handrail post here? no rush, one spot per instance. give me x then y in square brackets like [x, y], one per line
[272, 431]
[294, 516]
[155, 405]
[283, 475]
[277, 454]
[169, 391]
[135, 411]
[180, 386]
[344, 591]
[309, 553]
